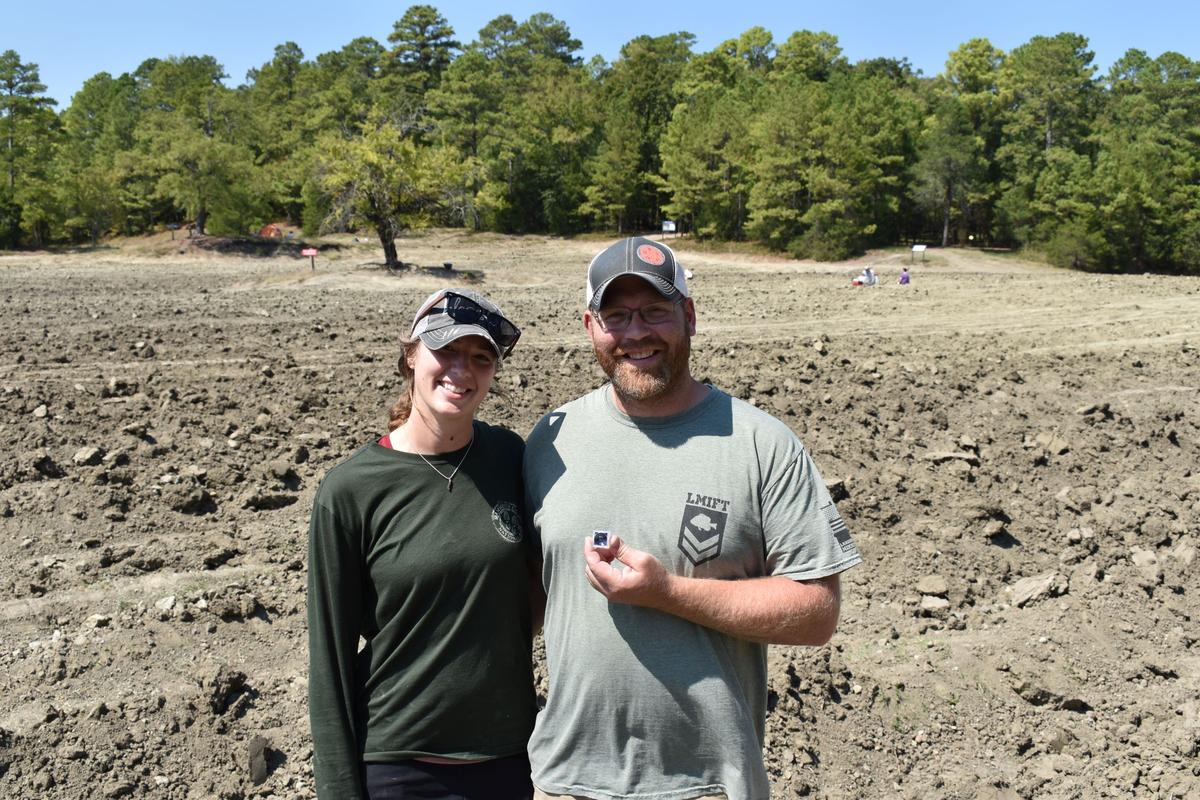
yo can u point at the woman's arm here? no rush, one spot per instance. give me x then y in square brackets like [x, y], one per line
[334, 616]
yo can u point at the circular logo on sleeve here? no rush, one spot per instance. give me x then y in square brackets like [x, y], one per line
[507, 521]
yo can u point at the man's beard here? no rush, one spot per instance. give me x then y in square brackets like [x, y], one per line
[639, 385]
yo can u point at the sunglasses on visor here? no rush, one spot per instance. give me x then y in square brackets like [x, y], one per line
[465, 311]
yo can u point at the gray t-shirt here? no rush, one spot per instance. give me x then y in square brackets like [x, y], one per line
[643, 704]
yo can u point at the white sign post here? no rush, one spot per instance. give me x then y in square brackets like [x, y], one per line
[668, 226]
[917, 248]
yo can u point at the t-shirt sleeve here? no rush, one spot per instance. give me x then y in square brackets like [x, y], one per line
[334, 616]
[804, 534]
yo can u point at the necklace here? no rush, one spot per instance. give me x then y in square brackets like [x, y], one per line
[450, 478]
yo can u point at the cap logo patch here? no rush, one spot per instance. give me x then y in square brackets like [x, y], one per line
[651, 255]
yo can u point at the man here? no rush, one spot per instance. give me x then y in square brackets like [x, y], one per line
[726, 539]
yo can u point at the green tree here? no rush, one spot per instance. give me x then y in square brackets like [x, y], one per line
[1048, 92]
[277, 105]
[613, 170]
[949, 166]
[191, 138]
[829, 165]
[466, 107]
[1145, 192]
[423, 46]
[28, 128]
[539, 165]
[642, 80]
[385, 179]
[755, 47]
[707, 151]
[815, 56]
[97, 128]
[972, 73]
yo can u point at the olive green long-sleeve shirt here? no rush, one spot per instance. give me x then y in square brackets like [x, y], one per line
[435, 581]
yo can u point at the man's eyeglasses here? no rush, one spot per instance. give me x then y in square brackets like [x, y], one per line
[615, 320]
[465, 311]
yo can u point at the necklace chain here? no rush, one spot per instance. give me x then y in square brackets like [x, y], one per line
[450, 478]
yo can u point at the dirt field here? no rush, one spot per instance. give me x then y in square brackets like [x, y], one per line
[1016, 449]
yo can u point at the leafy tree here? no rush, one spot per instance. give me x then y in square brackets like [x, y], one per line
[513, 47]
[189, 139]
[642, 80]
[1047, 89]
[466, 107]
[950, 164]
[27, 130]
[896, 70]
[544, 36]
[755, 47]
[423, 46]
[385, 179]
[277, 106]
[815, 56]
[707, 153]
[830, 157]
[1146, 180]
[342, 87]
[539, 164]
[97, 128]
[972, 73]
[518, 100]
[613, 171]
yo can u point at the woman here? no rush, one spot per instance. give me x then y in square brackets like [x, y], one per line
[416, 545]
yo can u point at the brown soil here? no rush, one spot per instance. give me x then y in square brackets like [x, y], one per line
[1016, 448]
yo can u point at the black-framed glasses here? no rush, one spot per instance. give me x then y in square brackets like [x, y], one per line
[615, 320]
[465, 311]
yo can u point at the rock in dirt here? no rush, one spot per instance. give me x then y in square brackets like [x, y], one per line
[1026, 590]
[118, 387]
[933, 585]
[931, 606]
[138, 429]
[218, 552]
[257, 751]
[952, 456]
[1148, 566]
[234, 604]
[88, 456]
[119, 788]
[222, 687]
[1037, 694]
[188, 499]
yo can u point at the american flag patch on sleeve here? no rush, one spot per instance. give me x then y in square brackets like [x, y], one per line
[838, 527]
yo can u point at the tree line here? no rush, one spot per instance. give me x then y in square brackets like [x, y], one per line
[783, 143]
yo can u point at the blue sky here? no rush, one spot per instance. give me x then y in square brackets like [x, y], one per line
[71, 41]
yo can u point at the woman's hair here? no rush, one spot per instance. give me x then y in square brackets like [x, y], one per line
[398, 414]
[400, 410]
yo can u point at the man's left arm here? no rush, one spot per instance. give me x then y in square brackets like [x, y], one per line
[769, 610]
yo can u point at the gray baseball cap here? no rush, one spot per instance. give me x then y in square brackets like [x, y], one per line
[651, 261]
[450, 314]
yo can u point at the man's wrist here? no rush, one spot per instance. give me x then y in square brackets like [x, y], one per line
[668, 594]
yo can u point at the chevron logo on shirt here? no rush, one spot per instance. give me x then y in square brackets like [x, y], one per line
[702, 529]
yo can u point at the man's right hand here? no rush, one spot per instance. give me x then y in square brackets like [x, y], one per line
[643, 582]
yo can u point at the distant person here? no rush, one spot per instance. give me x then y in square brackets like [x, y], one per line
[904, 279]
[416, 545]
[866, 278]
[728, 538]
